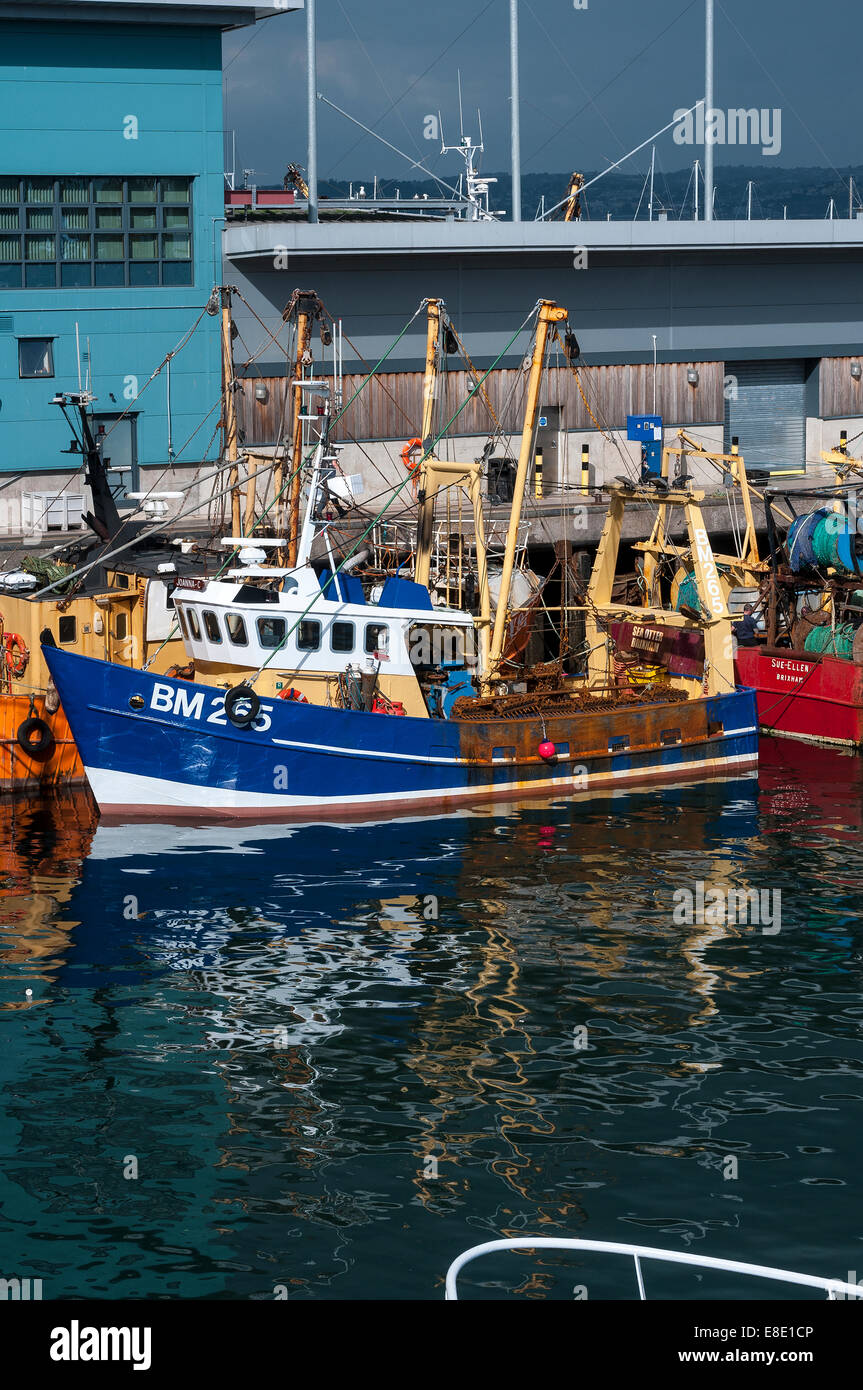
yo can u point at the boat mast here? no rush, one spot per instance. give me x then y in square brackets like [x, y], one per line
[434, 475]
[549, 314]
[304, 341]
[308, 530]
[229, 397]
[426, 498]
[104, 520]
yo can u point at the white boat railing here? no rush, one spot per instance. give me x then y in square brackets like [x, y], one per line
[834, 1288]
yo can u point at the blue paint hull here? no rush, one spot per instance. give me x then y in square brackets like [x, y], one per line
[153, 747]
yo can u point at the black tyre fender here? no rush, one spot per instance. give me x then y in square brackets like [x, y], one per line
[242, 706]
[35, 737]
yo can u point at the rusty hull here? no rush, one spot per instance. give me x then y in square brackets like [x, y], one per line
[589, 734]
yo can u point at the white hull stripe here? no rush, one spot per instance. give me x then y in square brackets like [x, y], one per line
[367, 753]
[131, 791]
[455, 762]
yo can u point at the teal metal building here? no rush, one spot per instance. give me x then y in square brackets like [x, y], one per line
[111, 214]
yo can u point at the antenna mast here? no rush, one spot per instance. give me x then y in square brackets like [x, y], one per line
[477, 187]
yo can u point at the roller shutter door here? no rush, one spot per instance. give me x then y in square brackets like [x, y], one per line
[769, 413]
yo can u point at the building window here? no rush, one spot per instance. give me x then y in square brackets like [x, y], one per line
[117, 440]
[80, 232]
[35, 357]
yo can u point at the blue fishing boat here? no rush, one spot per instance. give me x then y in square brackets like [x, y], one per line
[154, 746]
[309, 693]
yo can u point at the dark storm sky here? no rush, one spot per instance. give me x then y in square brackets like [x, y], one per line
[594, 82]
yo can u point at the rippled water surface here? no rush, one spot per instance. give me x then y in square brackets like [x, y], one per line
[337, 1056]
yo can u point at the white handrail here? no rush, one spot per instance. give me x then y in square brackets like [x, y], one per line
[833, 1287]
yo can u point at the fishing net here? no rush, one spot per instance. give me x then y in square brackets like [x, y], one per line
[539, 704]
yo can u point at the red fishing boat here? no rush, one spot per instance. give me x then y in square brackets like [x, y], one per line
[808, 676]
[811, 696]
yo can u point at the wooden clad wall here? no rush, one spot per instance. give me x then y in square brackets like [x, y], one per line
[390, 406]
[840, 393]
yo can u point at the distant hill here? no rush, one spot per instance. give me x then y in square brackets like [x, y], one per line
[804, 192]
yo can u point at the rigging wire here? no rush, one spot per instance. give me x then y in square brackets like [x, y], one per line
[395, 491]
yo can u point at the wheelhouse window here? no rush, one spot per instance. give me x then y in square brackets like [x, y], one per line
[377, 641]
[236, 629]
[35, 358]
[67, 630]
[308, 635]
[271, 632]
[194, 625]
[437, 644]
[182, 621]
[211, 626]
[342, 636]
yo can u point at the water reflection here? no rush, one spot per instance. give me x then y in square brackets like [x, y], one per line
[339, 1053]
[43, 844]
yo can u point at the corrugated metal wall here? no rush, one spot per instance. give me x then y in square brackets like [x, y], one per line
[390, 407]
[765, 409]
[840, 393]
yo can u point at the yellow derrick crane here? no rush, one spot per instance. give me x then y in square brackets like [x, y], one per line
[745, 570]
[294, 179]
[841, 461]
[715, 622]
[436, 475]
[573, 199]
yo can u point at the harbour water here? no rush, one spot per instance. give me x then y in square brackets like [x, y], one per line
[318, 1062]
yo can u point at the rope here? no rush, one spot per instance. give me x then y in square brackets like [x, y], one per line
[187, 336]
[395, 491]
[473, 373]
[284, 488]
[787, 694]
[111, 554]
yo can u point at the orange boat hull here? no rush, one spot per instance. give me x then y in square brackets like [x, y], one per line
[18, 771]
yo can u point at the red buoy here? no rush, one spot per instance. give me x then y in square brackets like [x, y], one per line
[546, 750]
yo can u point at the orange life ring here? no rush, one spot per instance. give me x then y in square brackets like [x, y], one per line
[291, 693]
[16, 655]
[412, 464]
